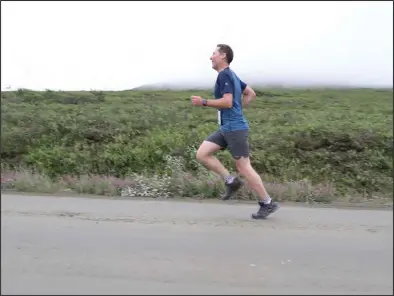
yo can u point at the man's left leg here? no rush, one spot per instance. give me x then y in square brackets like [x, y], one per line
[267, 205]
[239, 147]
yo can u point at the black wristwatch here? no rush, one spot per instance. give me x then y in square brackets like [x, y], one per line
[204, 102]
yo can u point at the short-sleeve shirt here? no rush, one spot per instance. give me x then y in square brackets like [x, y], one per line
[230, 119]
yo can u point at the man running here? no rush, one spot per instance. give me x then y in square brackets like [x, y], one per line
[233, 131]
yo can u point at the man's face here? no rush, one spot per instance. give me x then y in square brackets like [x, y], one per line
[217, 59]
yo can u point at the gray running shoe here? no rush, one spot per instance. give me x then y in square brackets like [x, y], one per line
[231, 188]
[266, 210]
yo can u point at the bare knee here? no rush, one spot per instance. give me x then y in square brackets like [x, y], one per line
[206, 150]
[201, 155]
[243, 165]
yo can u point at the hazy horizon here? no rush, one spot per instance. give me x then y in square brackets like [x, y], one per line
[124, 45]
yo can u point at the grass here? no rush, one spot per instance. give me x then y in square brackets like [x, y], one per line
[308, 144]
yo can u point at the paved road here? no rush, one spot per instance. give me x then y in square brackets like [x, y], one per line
[66, 245]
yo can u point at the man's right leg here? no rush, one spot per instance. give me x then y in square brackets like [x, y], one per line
[212, 144]
[204, 155]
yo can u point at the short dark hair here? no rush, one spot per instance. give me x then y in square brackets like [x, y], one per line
[224, 48]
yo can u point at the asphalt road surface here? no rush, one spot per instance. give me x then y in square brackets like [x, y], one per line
[69, 245]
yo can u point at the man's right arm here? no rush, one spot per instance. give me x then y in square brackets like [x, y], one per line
[248, 94]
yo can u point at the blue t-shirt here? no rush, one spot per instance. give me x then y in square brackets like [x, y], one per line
[230, 119]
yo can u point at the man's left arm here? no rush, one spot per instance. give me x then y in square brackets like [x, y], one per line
[226, 89]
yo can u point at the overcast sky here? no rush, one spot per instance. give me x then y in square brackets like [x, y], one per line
[121, 45]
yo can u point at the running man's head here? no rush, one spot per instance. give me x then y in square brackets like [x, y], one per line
[222, 57]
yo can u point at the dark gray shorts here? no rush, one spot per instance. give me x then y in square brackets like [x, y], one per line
[236, 142]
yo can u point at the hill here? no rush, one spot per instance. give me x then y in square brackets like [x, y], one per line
[308, 144]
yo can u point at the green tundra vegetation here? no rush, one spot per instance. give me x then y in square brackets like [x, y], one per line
[340, 139]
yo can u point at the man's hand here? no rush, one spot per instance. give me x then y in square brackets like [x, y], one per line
[248, 96]
[197, 100]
